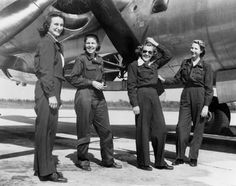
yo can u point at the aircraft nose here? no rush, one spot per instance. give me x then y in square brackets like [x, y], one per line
[159, 6]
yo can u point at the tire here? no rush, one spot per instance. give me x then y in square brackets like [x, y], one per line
[220, 119]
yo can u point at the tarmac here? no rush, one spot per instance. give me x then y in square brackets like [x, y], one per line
[216, 164]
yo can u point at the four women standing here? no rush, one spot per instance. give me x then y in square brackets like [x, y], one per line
[91, 108]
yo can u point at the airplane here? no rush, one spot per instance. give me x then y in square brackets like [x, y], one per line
[121, 26]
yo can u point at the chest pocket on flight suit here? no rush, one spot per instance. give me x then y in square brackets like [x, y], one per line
[93, 72]
[198, 73]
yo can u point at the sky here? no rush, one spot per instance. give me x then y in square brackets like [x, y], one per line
[9, 90]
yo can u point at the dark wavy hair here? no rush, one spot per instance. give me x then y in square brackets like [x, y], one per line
[95, 37]
[45, 27]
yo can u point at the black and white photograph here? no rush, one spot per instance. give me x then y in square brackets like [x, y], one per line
[118, 92]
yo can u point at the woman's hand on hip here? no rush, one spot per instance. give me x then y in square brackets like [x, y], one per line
[204, 112]
[53, 102]
[136, 110]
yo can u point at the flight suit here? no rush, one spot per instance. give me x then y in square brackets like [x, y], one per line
[49, 71]
[197, 92]
[91, 107]
[143, 92]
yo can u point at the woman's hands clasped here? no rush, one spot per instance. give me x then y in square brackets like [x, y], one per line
[98, 85]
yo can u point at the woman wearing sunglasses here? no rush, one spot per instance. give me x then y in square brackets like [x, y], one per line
[197, 78]
[144, 98]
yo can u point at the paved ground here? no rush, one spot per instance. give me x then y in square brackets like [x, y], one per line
[217, 162]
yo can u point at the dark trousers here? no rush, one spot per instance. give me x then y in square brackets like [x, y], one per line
[150, 123]
[45, 132]
[92, 109]
[191, 104]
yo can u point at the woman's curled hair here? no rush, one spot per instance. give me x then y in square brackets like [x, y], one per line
[45, 27]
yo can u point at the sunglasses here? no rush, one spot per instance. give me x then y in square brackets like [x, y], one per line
[147, 51]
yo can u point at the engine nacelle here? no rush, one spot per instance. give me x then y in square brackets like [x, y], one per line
[18, 15]
[226, 85]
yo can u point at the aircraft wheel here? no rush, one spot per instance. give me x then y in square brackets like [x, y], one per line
[220, 117]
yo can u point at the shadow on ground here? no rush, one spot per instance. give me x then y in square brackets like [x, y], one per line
[23, 135]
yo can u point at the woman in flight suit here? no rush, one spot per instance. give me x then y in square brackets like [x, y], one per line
[49, 71]
[197, 77]
[90, 104]
[144, 98]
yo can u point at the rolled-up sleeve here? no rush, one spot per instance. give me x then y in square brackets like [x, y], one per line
[165, 55]
[132, 84]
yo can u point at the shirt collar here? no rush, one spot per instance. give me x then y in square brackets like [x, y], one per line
[200, 63]
[141, 62]
[52, 37]
[93, 59]
[89, 57]
[56, 42]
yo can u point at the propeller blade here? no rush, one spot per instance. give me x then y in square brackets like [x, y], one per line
[116, 28]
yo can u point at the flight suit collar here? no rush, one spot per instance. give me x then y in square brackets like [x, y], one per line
[49, 35]
[199, 64]
[56, 42]
[94, 59]
[141, 62]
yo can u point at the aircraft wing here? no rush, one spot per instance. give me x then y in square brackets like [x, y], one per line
[116, 28]
[120, 24]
